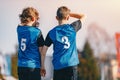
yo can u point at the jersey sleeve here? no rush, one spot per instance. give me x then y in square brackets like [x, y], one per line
[77, 25]
[40, 40]
[48, 40]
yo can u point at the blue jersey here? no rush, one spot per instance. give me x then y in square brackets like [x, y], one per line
[28, 52]
[64, 44]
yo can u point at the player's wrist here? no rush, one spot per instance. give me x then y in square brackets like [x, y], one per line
[42, 67]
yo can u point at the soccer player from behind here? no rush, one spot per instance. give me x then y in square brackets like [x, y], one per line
[63, 38]
[30, 41]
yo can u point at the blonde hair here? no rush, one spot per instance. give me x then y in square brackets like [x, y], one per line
[27, 15]
[62, 12]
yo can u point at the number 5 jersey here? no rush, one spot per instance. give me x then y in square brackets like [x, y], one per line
[28, 49]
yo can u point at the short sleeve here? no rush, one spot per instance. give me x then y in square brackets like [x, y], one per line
[77, 25]
[40, 40]
[48, 40]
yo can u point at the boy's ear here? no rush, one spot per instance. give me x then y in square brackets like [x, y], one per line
[32, 18]
[57, 18]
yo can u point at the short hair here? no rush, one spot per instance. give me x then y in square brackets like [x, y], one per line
[27, 14]
[62, 12]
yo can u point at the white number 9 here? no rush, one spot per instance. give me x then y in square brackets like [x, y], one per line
[23, 44]
[66, 42]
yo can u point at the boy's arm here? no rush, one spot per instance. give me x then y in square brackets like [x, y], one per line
[40, 42]
[47, 43]
[43, 54]
[78, 16]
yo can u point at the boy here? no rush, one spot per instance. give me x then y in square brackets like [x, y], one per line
[63, 37]
[30, 41]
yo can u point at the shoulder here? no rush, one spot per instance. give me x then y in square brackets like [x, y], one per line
[53, 30]
[20, 28]
[34, 29]
[76, 25]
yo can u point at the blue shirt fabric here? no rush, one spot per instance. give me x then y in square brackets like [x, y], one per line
[65, 53]
[28, 51]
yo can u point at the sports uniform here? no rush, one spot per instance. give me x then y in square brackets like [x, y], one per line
[65, 55]
[30, 39]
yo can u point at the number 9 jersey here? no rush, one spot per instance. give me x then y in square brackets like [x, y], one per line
[28, 50]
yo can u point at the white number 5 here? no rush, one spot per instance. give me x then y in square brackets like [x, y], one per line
[23, 44]
[66, 42]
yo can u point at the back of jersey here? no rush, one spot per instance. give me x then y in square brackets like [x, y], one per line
[64, 43]
[28, 53]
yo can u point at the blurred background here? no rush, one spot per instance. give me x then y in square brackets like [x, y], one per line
[98, 41]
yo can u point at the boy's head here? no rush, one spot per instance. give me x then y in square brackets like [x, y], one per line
[63, 13]
[29, 14]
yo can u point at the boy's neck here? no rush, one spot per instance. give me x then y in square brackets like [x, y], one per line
[28, 24]
[61, 22]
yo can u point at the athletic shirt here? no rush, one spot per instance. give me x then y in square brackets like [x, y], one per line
[63, 38]
[28, 52]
